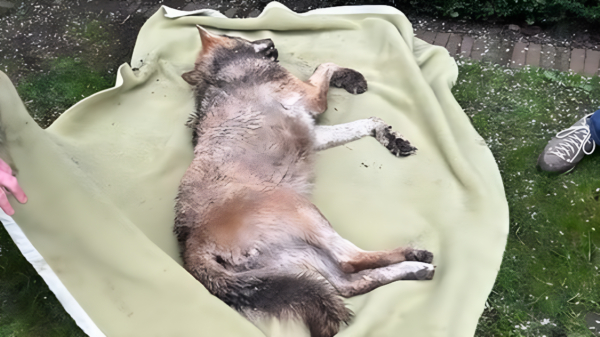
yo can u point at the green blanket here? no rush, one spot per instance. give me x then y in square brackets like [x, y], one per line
[101, 181]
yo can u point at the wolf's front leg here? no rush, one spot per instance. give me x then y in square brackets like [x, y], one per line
[328, 136]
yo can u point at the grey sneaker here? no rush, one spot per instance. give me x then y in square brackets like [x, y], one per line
[565, 150]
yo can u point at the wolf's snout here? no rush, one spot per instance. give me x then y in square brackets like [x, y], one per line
[272, 54]
[267, 48]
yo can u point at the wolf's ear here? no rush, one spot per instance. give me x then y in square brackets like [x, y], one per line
[191, 77]
[208, 40]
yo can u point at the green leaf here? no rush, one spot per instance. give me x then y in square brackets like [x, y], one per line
[550, 75]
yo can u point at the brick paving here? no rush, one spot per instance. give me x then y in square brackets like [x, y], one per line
[533, 55]
[519, 55]
[548, 57]
[516, 55]
[592, 59]
[577, 60]
[466, 46]
[454, 42]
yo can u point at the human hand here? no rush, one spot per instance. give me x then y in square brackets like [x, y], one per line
[9, 184]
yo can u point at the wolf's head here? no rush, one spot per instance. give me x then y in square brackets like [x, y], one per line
[220, 51]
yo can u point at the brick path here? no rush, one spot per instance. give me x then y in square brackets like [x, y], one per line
[516, 55]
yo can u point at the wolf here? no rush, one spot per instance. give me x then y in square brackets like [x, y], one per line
[244, 222]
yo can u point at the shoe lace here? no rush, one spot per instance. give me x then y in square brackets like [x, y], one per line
[573, 143]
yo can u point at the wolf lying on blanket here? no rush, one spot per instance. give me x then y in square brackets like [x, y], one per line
[246, 227]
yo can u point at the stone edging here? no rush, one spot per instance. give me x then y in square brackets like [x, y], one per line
[515, 55]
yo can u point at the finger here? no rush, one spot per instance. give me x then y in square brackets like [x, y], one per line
[4, 167]
[11, 184]
[5, 205]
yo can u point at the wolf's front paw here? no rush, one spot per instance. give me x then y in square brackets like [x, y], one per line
[419, 255]
[351, 80]
[393, 141]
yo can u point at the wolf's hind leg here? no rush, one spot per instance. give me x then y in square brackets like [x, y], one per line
[350, 259]
[328, 74]
[353, 271]
[328, 136]
[347, 257]
[355, 284]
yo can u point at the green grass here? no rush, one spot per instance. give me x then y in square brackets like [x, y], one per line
[48, 94]
[95, 32]
[92, 32]
[550, 275]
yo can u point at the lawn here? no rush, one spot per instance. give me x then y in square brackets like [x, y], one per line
[550, 274]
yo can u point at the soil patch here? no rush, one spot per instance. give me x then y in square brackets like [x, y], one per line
[102, 33]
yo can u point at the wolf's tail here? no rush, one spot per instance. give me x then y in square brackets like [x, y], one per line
[305, 297]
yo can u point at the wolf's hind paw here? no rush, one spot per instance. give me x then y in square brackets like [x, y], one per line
[425, 273]
[418, 271]
[419, 255]
[351, 80]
